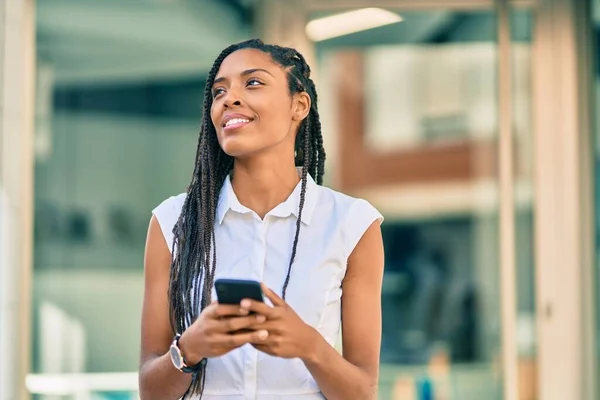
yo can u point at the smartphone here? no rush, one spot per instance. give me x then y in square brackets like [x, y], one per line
[233, 291]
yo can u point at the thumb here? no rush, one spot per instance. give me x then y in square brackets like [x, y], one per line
[274, 297]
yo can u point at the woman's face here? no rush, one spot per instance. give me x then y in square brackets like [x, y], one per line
[252, 108]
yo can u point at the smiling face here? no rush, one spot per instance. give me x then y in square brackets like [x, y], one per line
[252, 108]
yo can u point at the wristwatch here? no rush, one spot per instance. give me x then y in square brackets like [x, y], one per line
[178, 358]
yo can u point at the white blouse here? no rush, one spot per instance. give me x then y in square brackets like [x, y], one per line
[250, 248]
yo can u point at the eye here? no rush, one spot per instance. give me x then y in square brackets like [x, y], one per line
[253, 82]
[217, 91]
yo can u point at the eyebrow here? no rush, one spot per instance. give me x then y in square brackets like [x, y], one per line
[244, 73]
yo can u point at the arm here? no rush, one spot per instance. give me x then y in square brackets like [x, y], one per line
[159, 379]
[355, 375]
[214, 333]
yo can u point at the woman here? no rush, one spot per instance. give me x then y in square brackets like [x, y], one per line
[254, 211]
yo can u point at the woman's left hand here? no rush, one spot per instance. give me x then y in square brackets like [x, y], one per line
[289, 336]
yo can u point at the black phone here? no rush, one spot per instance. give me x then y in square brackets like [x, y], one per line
[233, 291]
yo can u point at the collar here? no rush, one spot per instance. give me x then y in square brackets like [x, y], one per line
[229, 201]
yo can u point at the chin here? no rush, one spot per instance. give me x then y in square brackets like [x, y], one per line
[234, 148]
[244, 146]
[235, 153]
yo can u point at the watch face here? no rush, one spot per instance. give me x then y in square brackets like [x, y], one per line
[176, 357]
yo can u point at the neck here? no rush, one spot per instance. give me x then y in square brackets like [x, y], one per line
[261, 185]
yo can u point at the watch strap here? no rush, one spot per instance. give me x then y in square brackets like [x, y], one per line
[186, 367]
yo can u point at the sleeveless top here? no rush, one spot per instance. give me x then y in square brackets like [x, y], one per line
[250, 248]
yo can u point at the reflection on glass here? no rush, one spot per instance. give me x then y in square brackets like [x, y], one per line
[522, 29]
[119, 91]
[422, 95]
[409, 115]
[411, 109]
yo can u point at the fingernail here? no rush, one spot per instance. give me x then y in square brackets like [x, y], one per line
[245, 303]
[261, 318]
[262, 335]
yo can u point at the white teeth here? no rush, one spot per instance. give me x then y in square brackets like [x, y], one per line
[236, 121]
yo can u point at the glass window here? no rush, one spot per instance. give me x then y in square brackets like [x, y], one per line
[410, 111]
[416, 125]
[119, 94]
[410, 122]
[522, 30]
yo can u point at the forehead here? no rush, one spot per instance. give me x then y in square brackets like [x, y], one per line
[245, 59]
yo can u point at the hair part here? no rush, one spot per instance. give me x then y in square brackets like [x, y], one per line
[194, 249]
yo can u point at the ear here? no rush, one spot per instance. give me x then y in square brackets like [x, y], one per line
[300, 106]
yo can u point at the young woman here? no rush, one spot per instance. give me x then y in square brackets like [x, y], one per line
[255, 209]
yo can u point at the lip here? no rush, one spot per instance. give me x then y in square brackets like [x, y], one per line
[229, 117]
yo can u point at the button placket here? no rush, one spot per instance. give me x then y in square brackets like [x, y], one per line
[263, 234]
[257, 273]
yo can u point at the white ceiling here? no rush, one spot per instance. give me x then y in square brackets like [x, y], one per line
[109, 41]
[100, 41]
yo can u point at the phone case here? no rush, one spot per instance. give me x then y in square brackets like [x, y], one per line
[233, 291]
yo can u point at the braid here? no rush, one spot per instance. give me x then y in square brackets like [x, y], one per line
[194, 248]
[318, 150]
[301, 206]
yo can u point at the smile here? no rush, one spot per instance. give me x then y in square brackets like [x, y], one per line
[236, 123]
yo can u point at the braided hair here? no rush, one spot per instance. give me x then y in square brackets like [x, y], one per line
[194, 248]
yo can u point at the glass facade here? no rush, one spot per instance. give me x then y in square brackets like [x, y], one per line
[522, 28]
[411, 122]
[595, 84]
[416, 126]
[119, 103]
[411, 110]
[415, 102]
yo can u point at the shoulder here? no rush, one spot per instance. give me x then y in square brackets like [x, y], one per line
[167, 213]
[347, 208]
[353, 215]
[173, 203]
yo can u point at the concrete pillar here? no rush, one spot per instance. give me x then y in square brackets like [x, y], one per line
[283, 23]
[17, 66]
[564, 213]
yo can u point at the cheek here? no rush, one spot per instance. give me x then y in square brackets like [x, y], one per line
[276, 119]
[213, 113]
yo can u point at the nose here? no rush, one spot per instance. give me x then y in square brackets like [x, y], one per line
[232, 99]
[232, 103]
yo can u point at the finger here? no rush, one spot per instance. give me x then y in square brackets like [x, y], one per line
[270, 325]
[237, 323]
[274, 297]
[240, 339]
[265, 348]
[268, 344]
[228, 310]
[210, 309]
[258, 307]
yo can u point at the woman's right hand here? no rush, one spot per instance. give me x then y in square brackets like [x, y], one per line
[219, 329]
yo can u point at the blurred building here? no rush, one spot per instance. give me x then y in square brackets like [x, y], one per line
[471, 124]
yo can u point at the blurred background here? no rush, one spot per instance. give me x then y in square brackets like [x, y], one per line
[469, 124]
